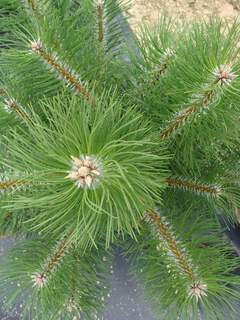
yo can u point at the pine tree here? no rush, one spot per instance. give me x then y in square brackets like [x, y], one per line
[105, 143]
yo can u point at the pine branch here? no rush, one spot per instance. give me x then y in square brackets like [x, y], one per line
[223, 195]
[4, 185]
[34, 7]
[109, 17]
[154, 56]
[170, 244]
[11, 105]
[7, 184]
[70, 77]
[199, 188]
[100, 14]
[163, 64]
[3, 92]
[31, 4]
[169, 240]
[221, 77]
[156, 72]
[40, 279]
[208, 256]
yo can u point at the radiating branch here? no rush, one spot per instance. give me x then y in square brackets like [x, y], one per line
[100, 14]
[40, 278]
[221, 76]
[199, 188]
[166, 235]
[34, 7]
[3, 93]
[177, 254]
[31, 4]
[70, 77]
[163, 64]
[12, 106]
[7, 184]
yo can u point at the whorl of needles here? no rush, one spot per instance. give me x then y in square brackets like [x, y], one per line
[86, 171]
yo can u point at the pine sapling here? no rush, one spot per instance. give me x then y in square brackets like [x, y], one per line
[154, 125]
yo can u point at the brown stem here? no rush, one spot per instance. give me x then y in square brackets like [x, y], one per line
[196, 288]
[171, 243]
[64, 73]
[32, 4]
[57, 256]
[195, 187]
[5, 185]
[100, 12]
[177, 122]
[180, 119]
[12, 105]
[3, 93]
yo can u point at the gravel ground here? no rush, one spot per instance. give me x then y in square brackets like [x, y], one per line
[149, 11]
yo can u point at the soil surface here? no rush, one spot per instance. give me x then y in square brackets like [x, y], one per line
[149, 10]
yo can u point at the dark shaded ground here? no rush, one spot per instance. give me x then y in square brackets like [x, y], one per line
[126, 296]
[4, 245]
